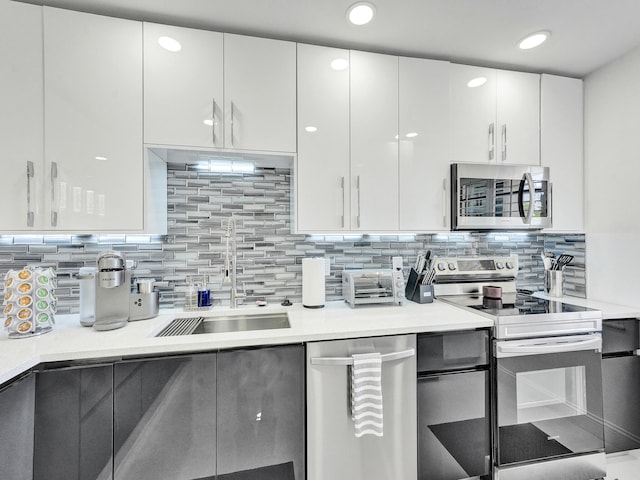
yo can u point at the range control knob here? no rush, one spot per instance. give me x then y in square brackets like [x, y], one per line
[452, 266]
[509, 265]
[399, 283]
[499, 265]
[442, 267]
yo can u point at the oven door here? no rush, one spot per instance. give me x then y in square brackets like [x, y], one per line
[548, 398]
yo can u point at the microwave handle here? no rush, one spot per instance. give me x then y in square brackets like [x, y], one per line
[529, 215]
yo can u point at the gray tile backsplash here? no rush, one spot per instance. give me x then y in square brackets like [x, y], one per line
[269, 255]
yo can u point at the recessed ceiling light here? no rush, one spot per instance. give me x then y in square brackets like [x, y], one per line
[361, 13]
[411, 134]
[170, 44]
[533, 40]
[477, 82]
[208, 122]
[311, 129]
[340, 64]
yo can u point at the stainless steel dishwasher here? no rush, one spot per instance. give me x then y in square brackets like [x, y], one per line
[333, 450]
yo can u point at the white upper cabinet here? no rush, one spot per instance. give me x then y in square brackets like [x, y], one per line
[561, 148]
[183, 89]
[424, 145]
[322, 171]
[260, 94]
[93, 121]
[374, 144]
[21, 110]
[497, 121]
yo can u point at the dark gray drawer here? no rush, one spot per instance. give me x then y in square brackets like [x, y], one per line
[620, 335]
[453, 350]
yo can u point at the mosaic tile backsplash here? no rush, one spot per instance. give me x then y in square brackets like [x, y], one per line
[269, 255]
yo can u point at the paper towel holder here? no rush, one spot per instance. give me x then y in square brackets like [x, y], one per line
[313, 284]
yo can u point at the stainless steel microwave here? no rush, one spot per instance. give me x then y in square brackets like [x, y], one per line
[493, 197]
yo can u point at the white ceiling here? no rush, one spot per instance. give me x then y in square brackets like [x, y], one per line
[586, 34]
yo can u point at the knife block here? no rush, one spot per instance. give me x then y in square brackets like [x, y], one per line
[415, 291]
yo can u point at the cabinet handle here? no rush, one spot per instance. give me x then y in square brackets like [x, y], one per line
[444, 202]
[504, 142]
[339, 361]
[343, 199]
[30, 175]
[232, 116]
[213, 122]
[54, 206]
[358, 197]
[492, 141]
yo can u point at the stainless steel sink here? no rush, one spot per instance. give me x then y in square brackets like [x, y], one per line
[225, 323]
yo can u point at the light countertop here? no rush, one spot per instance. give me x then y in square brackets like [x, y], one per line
[69, 341]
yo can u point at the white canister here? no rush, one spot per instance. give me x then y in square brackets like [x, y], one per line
[313, 290]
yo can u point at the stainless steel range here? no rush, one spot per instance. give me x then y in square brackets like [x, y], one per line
[547, 380]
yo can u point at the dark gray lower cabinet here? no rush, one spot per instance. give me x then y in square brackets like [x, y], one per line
[261, 414]
[165, 418]
[454, 438]
[73, 424]
[16, 429]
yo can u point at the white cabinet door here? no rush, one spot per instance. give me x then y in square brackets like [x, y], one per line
[93, 120]
[518, 122]
[473, 114]
[497, 121]
[374, 144]
[322, 171]
[21, 104]
[183, 95]
[260, 94]
[561, 144]
[424, 145]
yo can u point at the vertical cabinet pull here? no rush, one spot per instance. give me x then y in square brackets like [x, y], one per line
[231, 124]
[492, 141]
[504, 142]
[30, 175]
[358, 197]
[54, 206]
[444, 202]
[343, 200]
[213, 122]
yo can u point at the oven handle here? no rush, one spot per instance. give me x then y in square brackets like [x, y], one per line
[513, 348]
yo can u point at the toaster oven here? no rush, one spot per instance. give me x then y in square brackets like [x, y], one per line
[370, 286]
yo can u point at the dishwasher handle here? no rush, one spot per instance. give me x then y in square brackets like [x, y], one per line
[339, 361]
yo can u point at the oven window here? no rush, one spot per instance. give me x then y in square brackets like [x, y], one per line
[548, 405]
[551, 393]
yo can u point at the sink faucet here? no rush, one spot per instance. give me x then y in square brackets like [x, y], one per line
[230, 258]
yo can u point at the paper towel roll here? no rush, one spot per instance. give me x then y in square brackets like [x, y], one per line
[313, 282]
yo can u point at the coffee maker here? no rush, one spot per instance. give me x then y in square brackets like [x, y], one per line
[105, 292]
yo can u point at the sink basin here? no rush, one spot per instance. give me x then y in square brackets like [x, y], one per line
[225, 323]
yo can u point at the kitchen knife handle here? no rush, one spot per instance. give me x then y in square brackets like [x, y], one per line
[54, 205]
[504, 142]
[358, 197]
[492, 141]
[343, 200]
[30, 175]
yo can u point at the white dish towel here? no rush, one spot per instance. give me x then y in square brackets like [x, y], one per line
[366, 394]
